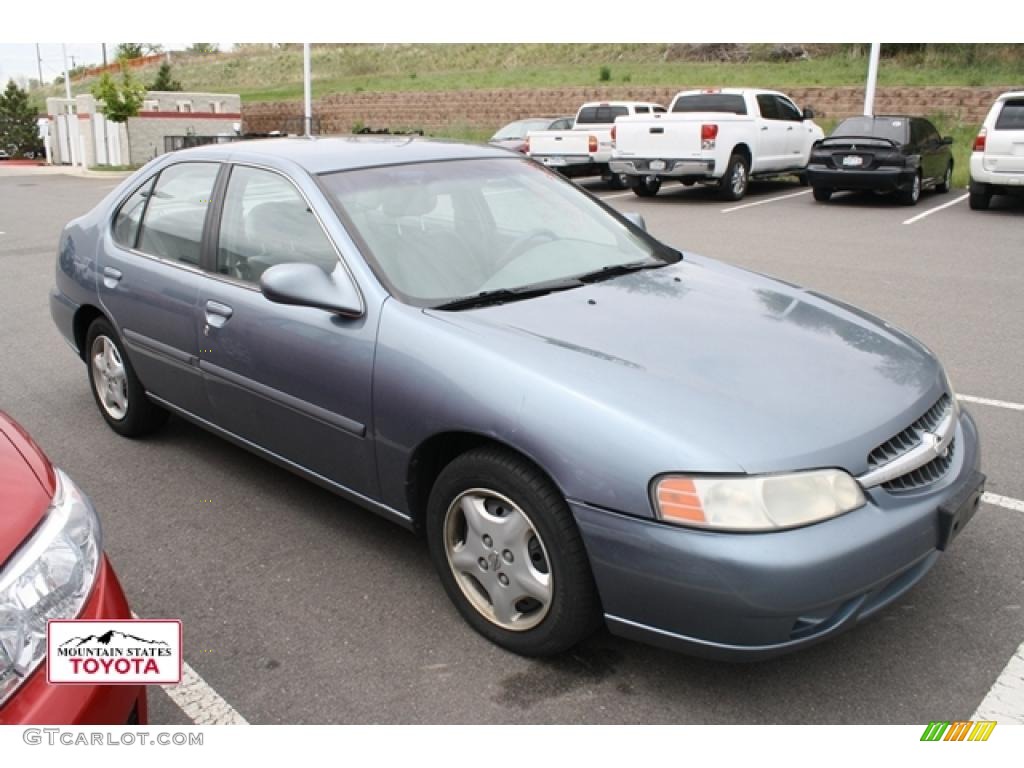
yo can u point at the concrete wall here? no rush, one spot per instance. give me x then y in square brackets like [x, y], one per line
[490, 109]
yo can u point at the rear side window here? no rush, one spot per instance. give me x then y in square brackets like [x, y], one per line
[1011, 117]
[603, 114]
[173, 224]
[711, 102]
[126, 223]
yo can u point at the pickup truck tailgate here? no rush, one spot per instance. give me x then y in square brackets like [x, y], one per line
[562, 143]
[670, 135]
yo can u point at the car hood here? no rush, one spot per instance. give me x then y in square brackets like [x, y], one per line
[761, 374]
[27, 485]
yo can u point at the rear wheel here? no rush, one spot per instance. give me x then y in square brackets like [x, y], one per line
[980, 197]
[509, 554]
[115, 387]
[822, 194]
[737, 177]
[647, 186]
[911, 194]
[947, 180]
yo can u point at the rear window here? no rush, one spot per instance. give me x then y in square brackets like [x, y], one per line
[603, 114]
[711, 102]
[892, 128]
[1011, 117]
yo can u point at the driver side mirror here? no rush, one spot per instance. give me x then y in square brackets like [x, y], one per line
[307, 285]
[808, 114]
[947, 141]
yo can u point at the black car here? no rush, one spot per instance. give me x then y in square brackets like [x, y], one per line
[891, 153]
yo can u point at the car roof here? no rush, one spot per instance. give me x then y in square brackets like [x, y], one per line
[323, 154]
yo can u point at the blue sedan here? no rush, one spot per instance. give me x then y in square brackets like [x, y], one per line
[585, 423]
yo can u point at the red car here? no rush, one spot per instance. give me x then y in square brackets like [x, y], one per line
[52, 566]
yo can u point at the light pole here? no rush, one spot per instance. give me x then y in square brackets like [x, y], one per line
[869, 91]
[307, 89]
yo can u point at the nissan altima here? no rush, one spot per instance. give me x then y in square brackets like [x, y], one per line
[585, 423]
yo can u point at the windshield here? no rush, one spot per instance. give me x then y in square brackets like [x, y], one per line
[441, 231]
[892, 128]
[519, 129]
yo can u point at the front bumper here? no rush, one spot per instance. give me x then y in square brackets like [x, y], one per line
[676, 169]
[38, 702]
[885, 179]
[756, 595]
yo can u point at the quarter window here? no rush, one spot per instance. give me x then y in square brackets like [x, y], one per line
[267, 222]
[173, 224]
[126, 223]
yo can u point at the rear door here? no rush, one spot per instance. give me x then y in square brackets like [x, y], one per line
[149, 279]
[292, 380]
[773, 131]
[1004, 145]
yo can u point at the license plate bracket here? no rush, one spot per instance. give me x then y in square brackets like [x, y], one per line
[957, 511]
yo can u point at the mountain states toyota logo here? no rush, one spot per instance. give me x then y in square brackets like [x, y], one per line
[114, 652]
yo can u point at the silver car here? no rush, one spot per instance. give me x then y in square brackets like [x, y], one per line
[586, 424]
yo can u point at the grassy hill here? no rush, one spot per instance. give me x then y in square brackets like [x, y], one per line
[265, 73]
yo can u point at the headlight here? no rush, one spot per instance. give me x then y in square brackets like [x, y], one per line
[49, 577]
[756, 503]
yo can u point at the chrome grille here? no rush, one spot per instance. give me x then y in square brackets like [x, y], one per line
[910, 438]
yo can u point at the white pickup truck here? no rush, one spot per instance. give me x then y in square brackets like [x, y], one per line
[723, 137]
[586, 148]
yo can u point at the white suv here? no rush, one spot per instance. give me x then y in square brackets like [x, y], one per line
[997, 162]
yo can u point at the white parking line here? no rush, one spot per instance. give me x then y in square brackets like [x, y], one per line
[200, 702]
[937, 208]
[620, 194]
[765, 202]
[995, 403]
[1016, 505]
[1004, 702]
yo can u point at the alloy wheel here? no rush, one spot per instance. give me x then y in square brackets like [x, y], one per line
[109, 377]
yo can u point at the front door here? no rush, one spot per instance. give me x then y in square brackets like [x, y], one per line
[294, 381]
[771, 148]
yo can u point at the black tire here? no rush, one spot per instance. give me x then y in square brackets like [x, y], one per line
[618, 180]
[822, 194]
[647, 186]
[980, 197]
[732, 187]
[947, 180]
[142, 416]
[911, 194]
[573, 611]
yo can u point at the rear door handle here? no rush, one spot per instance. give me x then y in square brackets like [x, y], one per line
[111, 277]
[217, 314]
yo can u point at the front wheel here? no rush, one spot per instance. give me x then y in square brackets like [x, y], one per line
[115, 387]
[737, 177]
[509, 554]
[647, 186]
[947, 180]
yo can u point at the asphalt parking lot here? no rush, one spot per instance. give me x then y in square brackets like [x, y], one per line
[299, 608]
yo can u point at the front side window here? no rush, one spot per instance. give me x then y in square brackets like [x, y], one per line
[266, 222]
[126, 222]
[788, 110]
[172, 227]
[447, 230]
[768, 106]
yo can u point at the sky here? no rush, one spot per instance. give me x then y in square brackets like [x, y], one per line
[18, 60]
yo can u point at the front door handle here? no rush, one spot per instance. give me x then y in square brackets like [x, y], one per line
[111, 277]
[217, 314]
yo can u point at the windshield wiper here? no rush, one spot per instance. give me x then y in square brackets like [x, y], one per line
[503, 295]
[615, 270]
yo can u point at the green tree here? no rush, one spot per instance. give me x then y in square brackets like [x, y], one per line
[164, 81]
[18, 126]
[203, 48]
[120, 100]
[129, 51]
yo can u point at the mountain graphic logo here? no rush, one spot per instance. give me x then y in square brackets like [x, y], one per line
[111, 638]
